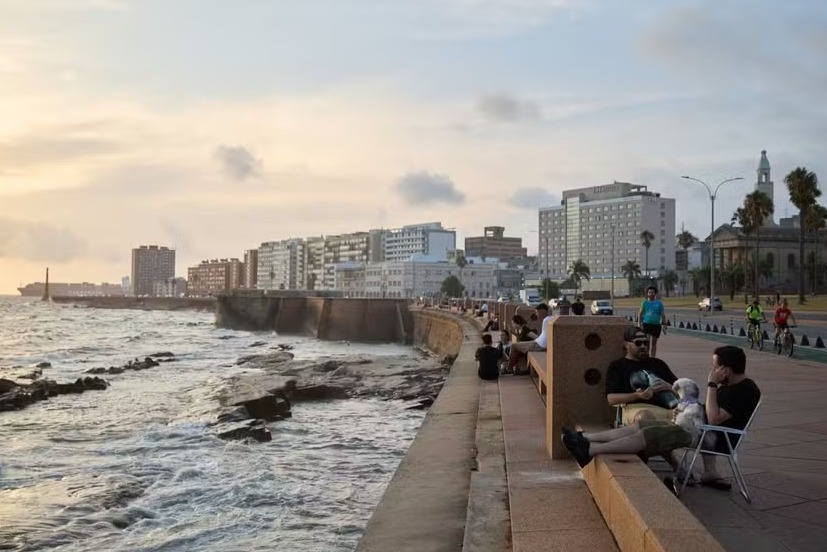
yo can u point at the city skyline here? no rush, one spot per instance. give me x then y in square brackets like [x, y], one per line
[132, 122]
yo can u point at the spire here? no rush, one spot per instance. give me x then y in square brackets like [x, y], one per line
[764, 164]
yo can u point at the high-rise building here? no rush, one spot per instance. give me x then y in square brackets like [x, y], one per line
[603, 227]
[250, 269]
[494, 245]
[150, 264]
[429, 239]
[281, 264]
[215, 276]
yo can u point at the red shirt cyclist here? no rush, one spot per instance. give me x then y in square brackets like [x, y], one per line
[781, 318]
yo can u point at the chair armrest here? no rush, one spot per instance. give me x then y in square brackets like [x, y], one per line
[722, 429]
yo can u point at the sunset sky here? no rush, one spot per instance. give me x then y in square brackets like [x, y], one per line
[213, 125]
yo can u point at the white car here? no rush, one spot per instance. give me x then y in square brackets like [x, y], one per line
[708, 304]
[602, 306]
[554, 302]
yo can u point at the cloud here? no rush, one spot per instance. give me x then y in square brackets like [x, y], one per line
[38, 242]
[497, 17]
[533, 198]
[423, 188]
[238, 162]
[504, 108]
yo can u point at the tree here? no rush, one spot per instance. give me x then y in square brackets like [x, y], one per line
[669, 278]
[733, 276]
[452, 287]
[461, 263]
[700, 279]
[550, 289]
[579, 271]
[803, 187]
[816, 220]
[757, 207]
[631, 270]
[646, 238]
[686, 239]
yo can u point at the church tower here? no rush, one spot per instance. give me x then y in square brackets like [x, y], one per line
[764, 183]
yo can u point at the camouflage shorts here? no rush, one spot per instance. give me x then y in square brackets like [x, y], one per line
[663, 437]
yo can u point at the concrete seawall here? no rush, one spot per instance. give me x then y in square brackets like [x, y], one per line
[337, 319]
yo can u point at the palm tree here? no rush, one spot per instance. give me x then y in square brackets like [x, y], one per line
[461, 263]
[803, 187]
[646, 238]
[686, 239]
[816, 220]
[757, 207]
[631, 270]
[579, 271]
[700, 279]
[669, 279]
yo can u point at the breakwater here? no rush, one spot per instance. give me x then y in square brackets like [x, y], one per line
[140, 303]
[332, 319]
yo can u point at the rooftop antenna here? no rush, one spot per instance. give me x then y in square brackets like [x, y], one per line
[46, 295]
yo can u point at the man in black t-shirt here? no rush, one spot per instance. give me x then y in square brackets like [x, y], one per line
[488, 356]
[641, 383]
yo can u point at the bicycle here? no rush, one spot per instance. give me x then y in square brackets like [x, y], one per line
[785, 342]
[755, 336]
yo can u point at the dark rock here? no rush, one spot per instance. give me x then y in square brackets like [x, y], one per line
[266, 360]
[318, 392]
[266, 407]
[165, 354]
[7, 385]
[43, 365]
[254, 430]
[257, 344]
[237, 414]
[284, 347]
[327, 366]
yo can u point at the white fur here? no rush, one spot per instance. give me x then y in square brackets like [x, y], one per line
[690, 414]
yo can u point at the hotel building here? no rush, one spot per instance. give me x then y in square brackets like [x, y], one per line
[150, 264]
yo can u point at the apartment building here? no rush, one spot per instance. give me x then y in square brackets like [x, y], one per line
[282, 264]
[602, 226]
[215, 276]
[250, 269]
[150, 264]
[493, 244]
[429, 239]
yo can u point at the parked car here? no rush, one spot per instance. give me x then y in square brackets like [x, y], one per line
[708, 304]
[602, 306]
[554, 302]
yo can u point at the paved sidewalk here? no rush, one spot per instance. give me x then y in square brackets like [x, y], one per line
[784, 458]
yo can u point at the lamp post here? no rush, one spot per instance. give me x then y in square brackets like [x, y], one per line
[712, 196]
[613, 268]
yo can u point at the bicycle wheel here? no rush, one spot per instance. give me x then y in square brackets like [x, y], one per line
[788, 344]
[778, 344]
[750, 337]
[760, 338]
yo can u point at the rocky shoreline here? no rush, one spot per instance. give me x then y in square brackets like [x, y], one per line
[265, 389]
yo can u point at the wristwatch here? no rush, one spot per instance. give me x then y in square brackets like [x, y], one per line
[712, 384]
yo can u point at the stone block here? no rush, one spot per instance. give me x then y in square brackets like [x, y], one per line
[579, 352]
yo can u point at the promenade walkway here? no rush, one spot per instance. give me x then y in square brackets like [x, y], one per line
[784, 460]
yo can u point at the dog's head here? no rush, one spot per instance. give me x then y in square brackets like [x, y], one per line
[685, 388]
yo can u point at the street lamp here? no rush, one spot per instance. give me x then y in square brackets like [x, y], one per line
[712, 196]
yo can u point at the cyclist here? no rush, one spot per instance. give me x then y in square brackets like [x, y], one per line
[754, 317]
[781, 318]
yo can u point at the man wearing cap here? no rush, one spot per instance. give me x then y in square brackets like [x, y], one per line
[642, 383]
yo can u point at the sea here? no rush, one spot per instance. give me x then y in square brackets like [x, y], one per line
[138, 468]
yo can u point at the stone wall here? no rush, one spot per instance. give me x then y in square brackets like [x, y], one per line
[439, 332]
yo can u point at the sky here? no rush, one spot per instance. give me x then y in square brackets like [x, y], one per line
[211, 126]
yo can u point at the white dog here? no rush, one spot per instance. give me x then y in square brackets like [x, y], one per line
[689, 414]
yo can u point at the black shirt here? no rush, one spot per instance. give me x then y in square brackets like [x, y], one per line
[488, 357]
[739, 400]
[621, 371]
[524, 333]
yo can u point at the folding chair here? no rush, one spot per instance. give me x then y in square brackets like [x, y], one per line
[731, 454]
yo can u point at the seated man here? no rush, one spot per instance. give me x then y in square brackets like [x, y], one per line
[731, 399]
[488, 358]
[538, 344]
[642, 383]
[493, 324]
[504, 348]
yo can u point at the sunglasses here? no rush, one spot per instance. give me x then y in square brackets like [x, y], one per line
[640, 342]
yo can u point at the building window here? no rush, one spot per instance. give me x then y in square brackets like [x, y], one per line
[791, 261]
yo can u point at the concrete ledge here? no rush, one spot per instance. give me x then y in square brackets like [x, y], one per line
[538, 371]
[641, 513]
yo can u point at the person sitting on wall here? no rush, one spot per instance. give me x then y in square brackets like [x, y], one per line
[493, 324]
[564, 306]
[538, 344]
[504, 348]
[642, 383]
[578, 307]
[488, 358]
[520, 328]
[731, 399]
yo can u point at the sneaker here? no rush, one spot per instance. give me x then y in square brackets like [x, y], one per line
[578, 446]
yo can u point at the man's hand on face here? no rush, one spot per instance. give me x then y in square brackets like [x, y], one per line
[644, 394]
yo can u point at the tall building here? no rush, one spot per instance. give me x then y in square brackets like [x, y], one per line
[602, 226]
[429, 239]
[250, 269]
[281, 264]
[324, 252]
[764, 183]
[494, 244]
[150, 264]
[215, 276]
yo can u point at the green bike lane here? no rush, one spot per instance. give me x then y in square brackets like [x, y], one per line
[800, 352]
